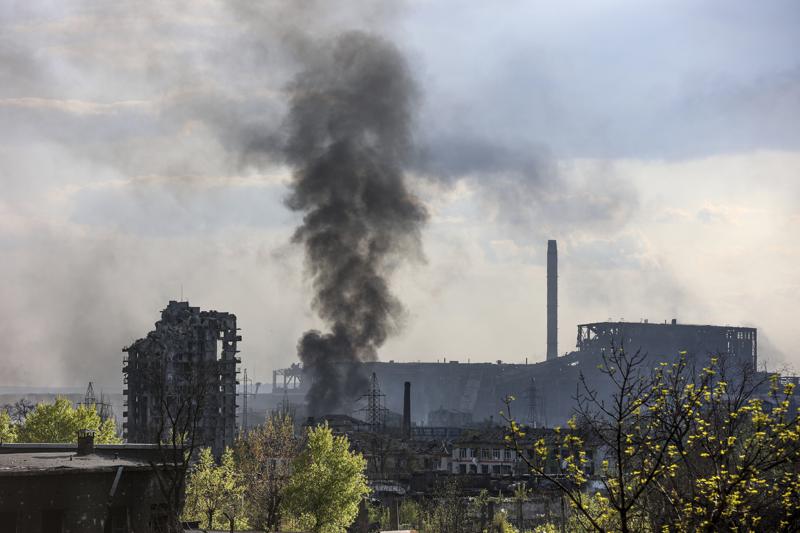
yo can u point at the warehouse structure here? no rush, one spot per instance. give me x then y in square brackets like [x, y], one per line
[472, 393]
[544, 390]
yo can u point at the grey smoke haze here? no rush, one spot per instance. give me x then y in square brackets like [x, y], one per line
[141, 150]
[523, 186]
[349, 143]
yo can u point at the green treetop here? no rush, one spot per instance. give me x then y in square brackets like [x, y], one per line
[214, 493]
[60, 422]
[328, 483]
[8, 431]
[680, 448]
[203, 489]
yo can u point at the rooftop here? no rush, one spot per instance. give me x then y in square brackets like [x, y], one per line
[63, 463]
[57, 458]
[668, 324]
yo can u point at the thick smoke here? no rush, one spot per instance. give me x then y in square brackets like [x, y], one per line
[349, 142]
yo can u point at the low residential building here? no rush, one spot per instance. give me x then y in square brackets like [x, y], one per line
[487, 452]
[392, 458]
[483, 452]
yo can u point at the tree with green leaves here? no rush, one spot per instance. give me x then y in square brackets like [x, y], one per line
[203, 494]
[447, 511]
[8, 430]
[214, 492]
[233, 489]
[327, 484]
[263, 457]
[60, 421]
[685, 449]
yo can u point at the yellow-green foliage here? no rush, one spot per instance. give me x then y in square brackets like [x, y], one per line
[502, 525]
[60, 421]
[684, 451]
[410, 515]
[740, 459]
[327, 483]
[8, 431]
[263, 457]
[214, 492]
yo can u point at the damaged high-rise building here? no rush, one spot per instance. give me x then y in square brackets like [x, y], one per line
[182, 377]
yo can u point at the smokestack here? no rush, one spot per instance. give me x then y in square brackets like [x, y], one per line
[552, 300]
[407, 411]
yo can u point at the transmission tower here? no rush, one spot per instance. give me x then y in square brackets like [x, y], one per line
[102, 407]
[89, 399]
[535, 409]
[375, 409]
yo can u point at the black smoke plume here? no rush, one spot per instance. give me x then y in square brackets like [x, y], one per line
[349, 142]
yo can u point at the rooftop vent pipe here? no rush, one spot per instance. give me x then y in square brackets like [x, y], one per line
[85, 442]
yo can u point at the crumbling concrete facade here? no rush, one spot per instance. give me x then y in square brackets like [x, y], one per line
[190, 359]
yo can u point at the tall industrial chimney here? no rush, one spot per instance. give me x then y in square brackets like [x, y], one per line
[552, 300]
[407, 411]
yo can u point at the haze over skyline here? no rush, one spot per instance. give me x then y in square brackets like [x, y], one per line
[659, 143]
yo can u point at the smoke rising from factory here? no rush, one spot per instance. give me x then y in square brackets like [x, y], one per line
[348, 143]
[143, 150]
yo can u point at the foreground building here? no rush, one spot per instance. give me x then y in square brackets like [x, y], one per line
[50, 488]
[187, 364]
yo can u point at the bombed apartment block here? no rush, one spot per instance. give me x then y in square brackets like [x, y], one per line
[181, 378]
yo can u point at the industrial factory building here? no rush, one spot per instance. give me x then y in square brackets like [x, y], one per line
[455, 393]
[189, 358]
[474, 392]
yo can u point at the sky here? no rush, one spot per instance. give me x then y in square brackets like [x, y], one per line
[658, 142]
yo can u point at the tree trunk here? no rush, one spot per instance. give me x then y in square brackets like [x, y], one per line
[210, 519]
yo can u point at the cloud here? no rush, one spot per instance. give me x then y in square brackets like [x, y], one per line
[614, 79]
[164, 208]
[76, 107]
[140, 150]
[724, 214]
[529, 190]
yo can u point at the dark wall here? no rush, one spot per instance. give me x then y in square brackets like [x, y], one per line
[79, 500]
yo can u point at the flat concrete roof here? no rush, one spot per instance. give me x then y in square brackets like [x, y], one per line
[61, 462]
[18, 447]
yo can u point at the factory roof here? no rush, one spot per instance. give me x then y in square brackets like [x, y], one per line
[672, 323]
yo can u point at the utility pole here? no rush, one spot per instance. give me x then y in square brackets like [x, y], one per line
[244, 402]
